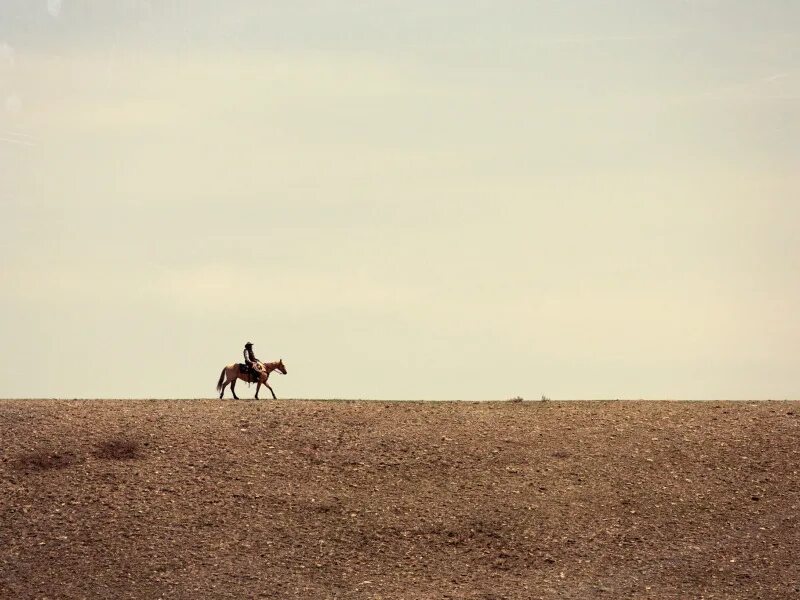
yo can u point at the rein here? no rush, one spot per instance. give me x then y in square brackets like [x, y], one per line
[270, 367]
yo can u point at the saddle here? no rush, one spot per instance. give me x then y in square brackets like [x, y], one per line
[244, 369]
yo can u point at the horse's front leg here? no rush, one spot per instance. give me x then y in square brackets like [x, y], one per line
[258, 387]
[274, 397]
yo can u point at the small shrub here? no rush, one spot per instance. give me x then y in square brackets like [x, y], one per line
[45, 460]
[119, 449]
[515, 399]
[545, 398]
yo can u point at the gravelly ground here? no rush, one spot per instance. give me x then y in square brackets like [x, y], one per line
[301, 499]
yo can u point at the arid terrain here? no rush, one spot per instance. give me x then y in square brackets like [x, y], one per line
[197, 499]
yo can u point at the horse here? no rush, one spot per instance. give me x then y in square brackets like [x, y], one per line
[233, 372]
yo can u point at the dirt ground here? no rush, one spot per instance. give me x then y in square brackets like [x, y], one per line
[300, 499]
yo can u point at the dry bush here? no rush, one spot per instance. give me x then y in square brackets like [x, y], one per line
[119, 449]
[44, 460]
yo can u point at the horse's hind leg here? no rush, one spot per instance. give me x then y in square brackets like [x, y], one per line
[258, 387]
[222, 391]
[233, 389]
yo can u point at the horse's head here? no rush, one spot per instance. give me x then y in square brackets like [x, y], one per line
[281, 367]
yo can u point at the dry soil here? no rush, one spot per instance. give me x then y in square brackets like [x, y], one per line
[195, 499]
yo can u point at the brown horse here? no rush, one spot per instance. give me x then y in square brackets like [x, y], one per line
[233, 372]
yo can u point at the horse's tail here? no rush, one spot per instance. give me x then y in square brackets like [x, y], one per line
[221, 378]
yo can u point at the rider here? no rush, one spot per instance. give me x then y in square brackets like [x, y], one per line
[250, 359]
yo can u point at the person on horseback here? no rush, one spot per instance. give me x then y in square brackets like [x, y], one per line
[250, 359]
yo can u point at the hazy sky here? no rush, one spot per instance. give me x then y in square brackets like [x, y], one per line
[452, 199]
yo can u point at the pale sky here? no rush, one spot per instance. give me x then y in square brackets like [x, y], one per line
[440, 200]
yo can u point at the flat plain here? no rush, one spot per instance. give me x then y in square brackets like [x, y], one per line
[196, 499]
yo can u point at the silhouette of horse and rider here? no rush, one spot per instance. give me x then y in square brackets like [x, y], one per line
[251, 371]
